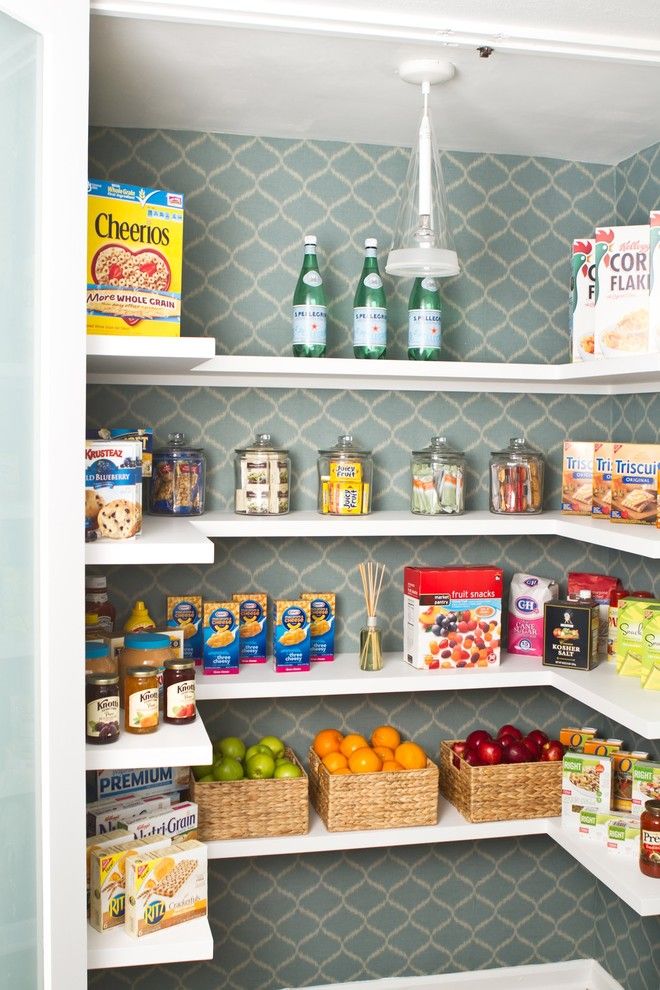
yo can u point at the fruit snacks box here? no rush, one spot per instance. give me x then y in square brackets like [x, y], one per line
[113, 490]
[452, 617]
[179, 822]
[586, 783]
[134, 260]
[185, 612]
[253, 627]
[602, 481]
[650, 672]
[166, 890]
[635, 483]
[155, 780]
[144, 436]
[621, 311]
[103, 816]
[107, 880]
[221, 637]
[654, 280]
[582, 295]
[322, 624]
[645, 785]
[577, 487]
[292, 641]
[621, 835]
[622, 778]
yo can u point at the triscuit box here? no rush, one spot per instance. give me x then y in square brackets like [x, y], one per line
[654, 298]
[621, 835]
[635, 483]
[179, 822]
[322, 624]
[650, 672]
[291, 639]
[602, 481]
[253, 627]
[577, 477]
[586, 783]
[581, 308]
[185, 612]
[166, 890]
[154, 780]
[645, 785]
[103, 816]
[107, 880]
[621, 312]
[221, 637]
[134, 260]
[144, 436]
[113, 490]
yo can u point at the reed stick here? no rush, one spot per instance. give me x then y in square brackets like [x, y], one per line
[371, 653]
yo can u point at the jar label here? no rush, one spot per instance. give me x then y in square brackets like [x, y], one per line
[424, 328]
[650, 846]
[100, 713]
[180, 701]
[309, 324]
[312, 278]
[143, 709]
[369, 326]
[373, 281]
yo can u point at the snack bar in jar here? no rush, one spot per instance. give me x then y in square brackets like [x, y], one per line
[345, 475]
[516, 478]
[262, 474]
[178, 480]
[437, 474]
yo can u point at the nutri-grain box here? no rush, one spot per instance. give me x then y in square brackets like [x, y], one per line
[621, 312]
[654, 298]
[577, 477]
[602, 480]
[134, 257]
[452, 617]
[113, 490]
[582, 295]
[635, 483]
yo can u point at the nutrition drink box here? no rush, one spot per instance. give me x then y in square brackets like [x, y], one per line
[527, 596]
[452, 617]
[602, 480]
[577, 486]
[582, 296]
[107, 880]
[654, 280]
[178, 822]
[635, 483]
[154, 780]
[166, 889]
[134, 260]
[185, 612]
[103, 816]
[321, 625]
[221, 637]
[253, 627]
[113, 490]
[586, 783]
[621, 312]
[292, 640]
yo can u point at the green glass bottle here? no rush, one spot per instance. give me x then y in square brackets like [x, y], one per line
[309, 306]
[424, 321]
[370, 308]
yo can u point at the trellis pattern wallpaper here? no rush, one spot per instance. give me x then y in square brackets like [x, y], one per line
[303, 920]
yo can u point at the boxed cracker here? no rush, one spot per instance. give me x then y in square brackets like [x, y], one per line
[179, 822]
[221, 637]
[185, 612]
[321, 624]
[452, 617]
[586, 783]
[654, 280]
[582, 297]
[577, 486]
[621, 835]
[154, 780]
[253, 627]
[602, 480]
[621, 311]
[166, 889]
[645, 785]
[635, 483]
[113, 490]
[291, 637]
[134, 260]
[107, 880]
[96, 842]
[144, 436]
[103, 816]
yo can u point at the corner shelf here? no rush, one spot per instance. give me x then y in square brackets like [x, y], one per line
[169, 746]
[162, 541]
[146, 356]
[189, 941]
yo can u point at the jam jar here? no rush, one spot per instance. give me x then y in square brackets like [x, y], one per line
[437, 476]
[262, 474]
[141, 700]
[179, 692]
[101, 708]
[649, 840]
[178, 479]
[345, 475]
[516, 478]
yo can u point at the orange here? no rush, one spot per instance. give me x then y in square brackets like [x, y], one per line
[410, 756]
[351, 742]
[391, 765]
[327, 741]
[334, 761]
[342, 770]
[386, 735]
[364, 760]
[384, 752]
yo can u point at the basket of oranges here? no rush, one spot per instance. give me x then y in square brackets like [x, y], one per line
[383, 782]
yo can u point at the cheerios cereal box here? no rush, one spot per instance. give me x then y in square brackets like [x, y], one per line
[291, 644]
[322, 624]
[621, 311]
[134, 260]
[654, 299]
[253, 626]
[221, 637]
[581, 309]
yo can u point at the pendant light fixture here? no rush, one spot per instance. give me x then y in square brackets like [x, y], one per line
[422, 243]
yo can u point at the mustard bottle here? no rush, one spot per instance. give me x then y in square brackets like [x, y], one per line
[139, 620]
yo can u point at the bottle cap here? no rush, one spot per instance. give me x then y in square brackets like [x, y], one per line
[147, 641]
[310, 239]
[96, 583]
[371, 242]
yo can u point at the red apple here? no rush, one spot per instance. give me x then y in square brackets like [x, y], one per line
[518, 753]
[472, 757]
[459, 747]
[506, 740]
[552, 751]
[539, 737]
[509, 730]
[533, 744]
[490, 752]
[534, 753]
[479, 735]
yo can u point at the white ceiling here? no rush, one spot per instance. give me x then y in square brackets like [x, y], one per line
[568, 79]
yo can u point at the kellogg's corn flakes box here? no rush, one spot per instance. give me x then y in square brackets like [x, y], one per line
[134, 260]
[291, 638]
[621, 311]
[221, 637]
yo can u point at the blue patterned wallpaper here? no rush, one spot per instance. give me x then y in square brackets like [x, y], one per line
[637, 184]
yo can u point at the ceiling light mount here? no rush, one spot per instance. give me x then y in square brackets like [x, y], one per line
[426, 70]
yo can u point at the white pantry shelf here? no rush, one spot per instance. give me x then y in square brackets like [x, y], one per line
[169, 746]
[146, 356]
[162, 541]
[181, 943]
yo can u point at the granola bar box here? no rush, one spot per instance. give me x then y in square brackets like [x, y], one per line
[621, 311]
[134, 260]
[586, 783]
[635, 483]
[581, 308]
[166, 889]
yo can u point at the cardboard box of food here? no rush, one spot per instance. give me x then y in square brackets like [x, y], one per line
[654, 280]
[602, 480]
[322, 612]
[645, 785]
[577, 487]
[185, 612]
[635, 483]
[622, 778]
[167, 889]
[253, 628]
[113, 490]
[107, 880]
[103, 816]
[591, 824]
[621, 836]
[291, 638]
[143, 435]
[621, 312]
[586, 783]
[179, 822]
[582, 295]
[221, 637]
[154, 780]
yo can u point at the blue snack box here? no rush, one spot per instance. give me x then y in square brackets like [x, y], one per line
[322, 625]
[221, 638]
[292, 639]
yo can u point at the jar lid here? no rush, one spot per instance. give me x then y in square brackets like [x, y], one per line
[176, 445]
[345, 446]
[179, 664]
[653, 806]
[440, 447]
[96, 583]
[147, 641]
[101, 679]
[94, 651]
[518, 447]
[262, 444]
[141, 672]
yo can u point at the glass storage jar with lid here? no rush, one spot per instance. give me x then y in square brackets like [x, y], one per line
[262, 475]
[437, 476]
[345, 475]
[516, 478]
[178, 479]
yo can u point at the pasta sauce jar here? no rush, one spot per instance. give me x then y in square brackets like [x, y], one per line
[179, 690]
[141, 700]
[649, 840]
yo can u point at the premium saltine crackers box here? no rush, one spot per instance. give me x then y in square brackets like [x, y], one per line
[654, 298]
[582, 295]
[621, 311]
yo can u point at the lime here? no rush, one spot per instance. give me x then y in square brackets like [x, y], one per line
[275, 745]
[260, 766]
[228, 769]
[229, 746]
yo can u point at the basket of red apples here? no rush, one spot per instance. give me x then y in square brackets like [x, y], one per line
[502, 777]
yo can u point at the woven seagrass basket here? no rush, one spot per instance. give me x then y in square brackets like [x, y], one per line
[251, 809]
[500, 793]
[347, 802]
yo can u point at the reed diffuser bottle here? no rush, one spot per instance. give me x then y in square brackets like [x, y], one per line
[371, 648]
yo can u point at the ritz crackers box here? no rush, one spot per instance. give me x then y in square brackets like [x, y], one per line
[134, 260]
[452, 617]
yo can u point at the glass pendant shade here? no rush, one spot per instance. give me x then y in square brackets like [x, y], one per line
[422, 243]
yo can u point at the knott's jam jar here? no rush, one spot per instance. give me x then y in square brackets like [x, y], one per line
[101, 708]
[141, 700]
[649, 848]
[179, 689]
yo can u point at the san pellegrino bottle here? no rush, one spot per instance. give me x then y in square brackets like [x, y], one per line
[424, 324]
[309, 306]
[370, 308]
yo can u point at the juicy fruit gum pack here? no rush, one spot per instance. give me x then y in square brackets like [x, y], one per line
[292, 641]
[253, 627]
[221, 637]
[602, 482]
[134, 259]
[527, 596]
[581, 310]
[650, 672]
[452, 617]
[322, 624]
[185, 612]
[577, 487]
[167, 889]
[635, 483]
[621, 313]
